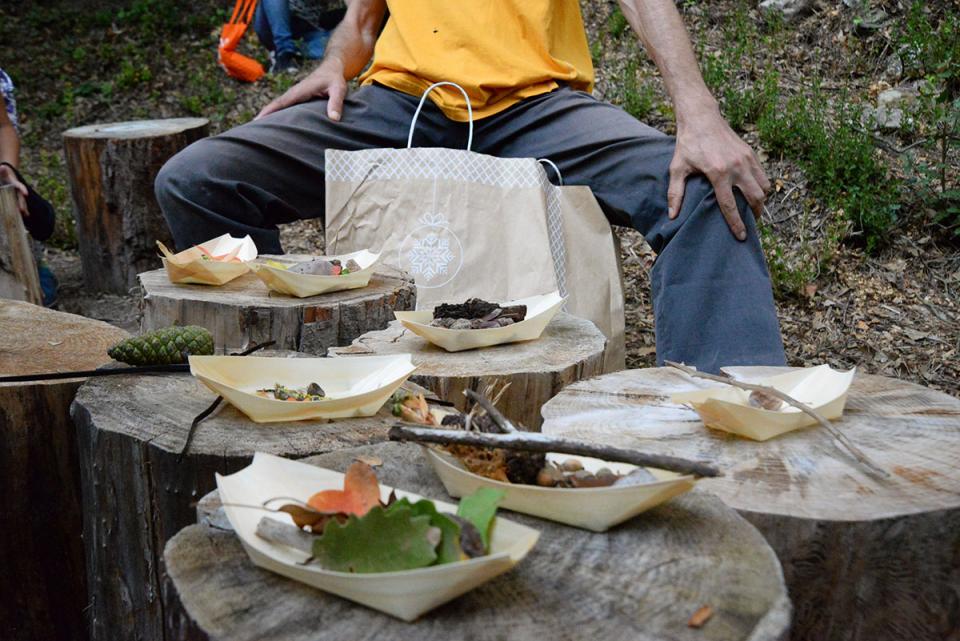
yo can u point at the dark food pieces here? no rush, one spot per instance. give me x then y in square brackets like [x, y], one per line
[279, 392]
[477, 314]
[324, 267]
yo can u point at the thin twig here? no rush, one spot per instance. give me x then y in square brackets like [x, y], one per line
[538, 442]
[207, 412]
[495, 415]
[786, 398]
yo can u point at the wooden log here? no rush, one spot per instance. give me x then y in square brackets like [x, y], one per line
[41, 555]
[138, 492]
[569, 350]
[642, 580]
[244, 310]
[18, 269]
[112, 168]
[865, 558]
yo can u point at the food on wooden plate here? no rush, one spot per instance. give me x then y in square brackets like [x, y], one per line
[477, 314]
[352, 530]
[313, 392]
[322, 267]
[164, 347]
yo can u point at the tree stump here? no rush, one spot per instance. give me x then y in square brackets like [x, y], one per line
[112, 168]
[43, 588]
[244, 310]
[642, 580]
[569, 350]
[864, 558]
[18, 269]
[138, 492]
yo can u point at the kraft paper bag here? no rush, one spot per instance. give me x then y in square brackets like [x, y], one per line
[463, 224]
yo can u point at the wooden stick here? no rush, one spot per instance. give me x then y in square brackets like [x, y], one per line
[89, 373]
[537, 442]
[838, 436]
[495, 415]
[285, 534]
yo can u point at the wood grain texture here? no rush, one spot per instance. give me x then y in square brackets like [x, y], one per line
[864, 557]
[18, 269]
[137, 492]
[43, 589]
[640, 581]
[245, 310]
[112, 169]
[569, 350]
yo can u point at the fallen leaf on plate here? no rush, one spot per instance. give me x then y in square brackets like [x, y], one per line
[360, 493]
[700, 617]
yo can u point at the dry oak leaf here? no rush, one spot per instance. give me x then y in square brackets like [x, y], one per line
[360, 493]
[701, 616]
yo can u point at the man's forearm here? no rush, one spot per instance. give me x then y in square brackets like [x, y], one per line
[9, 145]
[351, 45]
[661, 30]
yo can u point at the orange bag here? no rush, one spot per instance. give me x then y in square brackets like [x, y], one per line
[236, 64]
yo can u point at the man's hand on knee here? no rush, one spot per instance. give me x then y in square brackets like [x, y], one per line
[711, 147]
[325, 82]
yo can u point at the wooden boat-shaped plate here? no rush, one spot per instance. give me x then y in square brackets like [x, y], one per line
[406, 594]
[355, 386]
[283, 281]
[540, 311]
[190, 268]
[597, 509]
[728, 408]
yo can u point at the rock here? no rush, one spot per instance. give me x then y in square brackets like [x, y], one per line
[894, 68]
[789, 9]
[889, 112]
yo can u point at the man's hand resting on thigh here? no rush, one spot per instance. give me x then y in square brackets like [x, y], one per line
[705, 142]
[348, 51]
[710, 147]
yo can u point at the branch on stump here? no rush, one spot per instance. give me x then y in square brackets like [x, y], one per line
[537, 442]
[839, 437]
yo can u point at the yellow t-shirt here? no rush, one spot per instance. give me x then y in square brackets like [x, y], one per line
[500, 51]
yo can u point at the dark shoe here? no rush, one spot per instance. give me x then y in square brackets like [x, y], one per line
[284, 62]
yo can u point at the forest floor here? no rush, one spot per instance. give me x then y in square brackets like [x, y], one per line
[860, 232]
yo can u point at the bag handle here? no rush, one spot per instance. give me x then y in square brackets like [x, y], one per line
[423, 99]
[547, 161]
[243, 11]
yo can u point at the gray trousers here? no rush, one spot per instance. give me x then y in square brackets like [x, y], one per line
[712, 299]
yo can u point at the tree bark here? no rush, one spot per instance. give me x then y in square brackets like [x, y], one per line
[138, 492]
[865, 557]
[569, 350]
[18, 269]
[573, 584]
[43, 590]
[112, 169]
[244, 310]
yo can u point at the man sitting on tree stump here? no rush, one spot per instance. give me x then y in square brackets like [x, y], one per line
[526, 67]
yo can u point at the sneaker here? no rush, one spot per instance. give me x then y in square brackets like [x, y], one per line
[284, 62]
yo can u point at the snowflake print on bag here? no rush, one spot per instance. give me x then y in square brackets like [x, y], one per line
[431, 252]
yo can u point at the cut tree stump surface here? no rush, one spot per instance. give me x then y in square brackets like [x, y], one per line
[641, 581]
[43, 590]
[137, 492]
[569, 350]
[245, 310]
[112, 170]
[864, 557]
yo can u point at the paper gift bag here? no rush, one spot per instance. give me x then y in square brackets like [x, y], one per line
[463, 224]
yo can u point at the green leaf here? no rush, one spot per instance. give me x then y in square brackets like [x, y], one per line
[448, 551]
[379, 541]
[479, 508]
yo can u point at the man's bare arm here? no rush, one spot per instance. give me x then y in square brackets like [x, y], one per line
[348, 51]
[705, 142]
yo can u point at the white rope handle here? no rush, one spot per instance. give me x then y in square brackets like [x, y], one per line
[423, 99]
[547, 161]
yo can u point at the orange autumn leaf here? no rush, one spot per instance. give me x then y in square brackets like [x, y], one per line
[360, 493]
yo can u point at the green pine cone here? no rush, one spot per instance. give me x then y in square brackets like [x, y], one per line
[163, 347]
